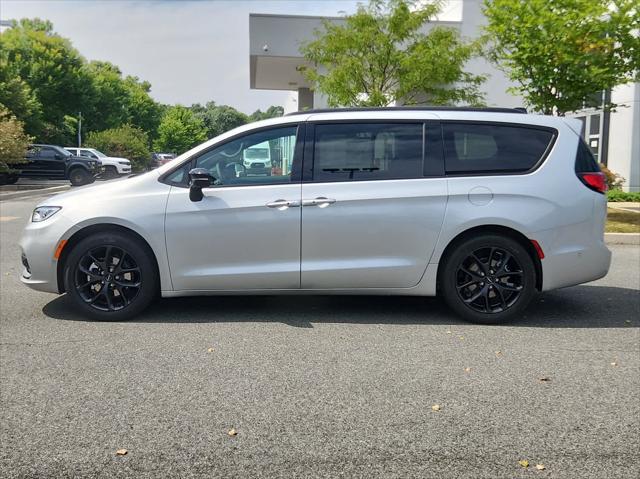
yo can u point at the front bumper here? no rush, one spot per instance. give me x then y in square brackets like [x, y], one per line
[38, 245]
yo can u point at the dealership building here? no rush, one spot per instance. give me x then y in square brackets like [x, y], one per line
[275, 58]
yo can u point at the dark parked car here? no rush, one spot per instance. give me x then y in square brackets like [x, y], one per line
[54, 163]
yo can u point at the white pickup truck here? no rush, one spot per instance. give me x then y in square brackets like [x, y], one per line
[113, 166]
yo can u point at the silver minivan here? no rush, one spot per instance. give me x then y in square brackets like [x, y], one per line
[484, 207]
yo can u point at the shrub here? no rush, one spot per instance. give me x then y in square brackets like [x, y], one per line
[125, 141]
[13, 140]
[179, 131]
[619, 195]
[614, 180]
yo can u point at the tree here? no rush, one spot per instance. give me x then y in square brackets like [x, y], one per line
[19, 98]
[272, 112]
[381, 56]
[32, 54]
[13, 140]
[115, 100]
[180, 129]
[124, 141]
[218, 118]
[562, 53]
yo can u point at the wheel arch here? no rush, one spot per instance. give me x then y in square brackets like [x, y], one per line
[499, 230]
[89, 230]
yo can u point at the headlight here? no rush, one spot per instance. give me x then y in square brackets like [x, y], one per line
[43, 212]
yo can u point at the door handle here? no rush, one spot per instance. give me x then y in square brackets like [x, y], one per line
[320, 202]
[282, 204]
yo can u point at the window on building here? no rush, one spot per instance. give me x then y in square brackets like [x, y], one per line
[594, 125]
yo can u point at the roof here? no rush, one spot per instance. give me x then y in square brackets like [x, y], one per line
[411, 108]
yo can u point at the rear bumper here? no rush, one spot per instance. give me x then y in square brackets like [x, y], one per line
[576, 266]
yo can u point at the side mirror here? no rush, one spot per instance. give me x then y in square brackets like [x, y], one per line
[199, 178]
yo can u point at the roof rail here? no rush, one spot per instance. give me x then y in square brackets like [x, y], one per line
[411, 108]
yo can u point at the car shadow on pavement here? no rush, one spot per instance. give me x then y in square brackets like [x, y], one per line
[576, 307]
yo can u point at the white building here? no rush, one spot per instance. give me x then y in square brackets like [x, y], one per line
[275, 57]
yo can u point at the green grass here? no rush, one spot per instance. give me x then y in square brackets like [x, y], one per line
[619, 195]
[620, 221]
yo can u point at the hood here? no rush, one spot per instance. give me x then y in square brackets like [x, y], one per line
[116, 158]
[99, 191]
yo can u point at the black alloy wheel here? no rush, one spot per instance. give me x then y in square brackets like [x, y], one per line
[108, 278]
[111, 276]
[488, 279]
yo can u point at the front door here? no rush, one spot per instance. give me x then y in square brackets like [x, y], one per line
[374, 205]
[51, 163]
[245, 233]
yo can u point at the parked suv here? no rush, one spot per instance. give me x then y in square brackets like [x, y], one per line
[54, 163]
[482, 207]
[113, 166]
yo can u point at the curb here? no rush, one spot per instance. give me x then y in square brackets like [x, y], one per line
[34, 192]
[622, 238]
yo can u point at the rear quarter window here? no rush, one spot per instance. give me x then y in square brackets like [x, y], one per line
[489, 148]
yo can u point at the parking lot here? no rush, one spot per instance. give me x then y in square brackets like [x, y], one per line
[319, 386]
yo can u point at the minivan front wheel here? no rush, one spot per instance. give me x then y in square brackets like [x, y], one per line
[110, 276]
[488, 279]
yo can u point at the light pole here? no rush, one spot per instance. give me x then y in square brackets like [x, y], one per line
[79, 129]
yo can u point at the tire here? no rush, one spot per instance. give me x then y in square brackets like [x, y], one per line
[96, 284]
[80, 176]
[110, 172]
[489, 279]
[8, 179]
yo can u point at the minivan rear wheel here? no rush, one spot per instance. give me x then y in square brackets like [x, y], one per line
[488, 279]
[110, 276]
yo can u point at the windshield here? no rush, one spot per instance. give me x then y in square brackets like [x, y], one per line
[63, 151]
[99, 154]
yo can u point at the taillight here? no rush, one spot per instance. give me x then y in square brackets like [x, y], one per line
[595, 181]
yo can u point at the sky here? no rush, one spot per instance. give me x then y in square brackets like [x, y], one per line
[190, 51]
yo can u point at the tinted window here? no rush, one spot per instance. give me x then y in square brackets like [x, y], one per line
[367, 151]
[33, 151]
[472, 148]
[585, 161]
[47, 153]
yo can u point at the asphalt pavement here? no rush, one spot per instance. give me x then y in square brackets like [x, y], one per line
[319, 386]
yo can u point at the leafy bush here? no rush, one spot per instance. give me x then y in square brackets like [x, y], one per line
[179, 131]
[13, 140]
[126, 141]
[614, 180]
[619, 195]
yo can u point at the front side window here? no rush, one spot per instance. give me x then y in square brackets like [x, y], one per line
[260, 158]
[479, 148]
[367, 151]
[47, 153]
